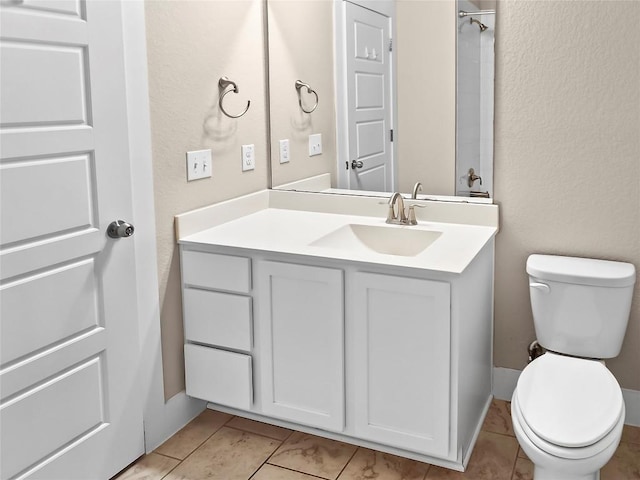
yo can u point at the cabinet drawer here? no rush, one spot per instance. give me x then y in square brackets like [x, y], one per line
[220, 319]
[221, 272]
[218, 376]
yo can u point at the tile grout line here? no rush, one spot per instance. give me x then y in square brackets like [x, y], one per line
[256, 433]
[274, 451]
[348, 462]
[199, 445]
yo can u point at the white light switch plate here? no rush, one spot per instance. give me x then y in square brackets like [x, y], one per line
[248, 157]
[198, 164]
[284, 151]
[315, 144]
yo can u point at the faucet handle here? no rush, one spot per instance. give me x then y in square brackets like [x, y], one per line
[412, 213]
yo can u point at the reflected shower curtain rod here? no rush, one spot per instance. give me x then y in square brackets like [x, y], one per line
[463, 14]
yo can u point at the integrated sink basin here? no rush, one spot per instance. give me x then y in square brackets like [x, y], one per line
[388, 240]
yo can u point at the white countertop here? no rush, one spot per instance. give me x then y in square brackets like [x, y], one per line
[293, 232]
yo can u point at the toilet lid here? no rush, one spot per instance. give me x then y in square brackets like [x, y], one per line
[568, 401]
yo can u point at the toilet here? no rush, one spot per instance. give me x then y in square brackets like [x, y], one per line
[567, 408]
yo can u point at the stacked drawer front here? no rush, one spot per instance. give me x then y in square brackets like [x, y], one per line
[218, 327]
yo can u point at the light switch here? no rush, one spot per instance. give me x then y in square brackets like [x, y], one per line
[248, 157]
[198, 164]
[284, 151]
[315, 144]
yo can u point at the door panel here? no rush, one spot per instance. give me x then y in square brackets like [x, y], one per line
[302, 322]
[25, 216]
[402, 360]
[66, 306]
[69, 405]
[369, 99]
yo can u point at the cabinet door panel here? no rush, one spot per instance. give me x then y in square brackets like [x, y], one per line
[401, 356]
[302, 343]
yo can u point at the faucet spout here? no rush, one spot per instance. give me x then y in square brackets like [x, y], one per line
[393, 217]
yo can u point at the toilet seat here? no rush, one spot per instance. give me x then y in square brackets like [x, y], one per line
[568, 404]
[569, 453]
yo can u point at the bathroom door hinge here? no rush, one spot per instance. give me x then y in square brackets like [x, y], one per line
[391, 44]
[391, 135]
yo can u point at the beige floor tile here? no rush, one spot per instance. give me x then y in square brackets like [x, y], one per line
[149, 467]
[493, 458]
[271, 472]
[625, 463]
[229, 454]
[521, 453]
[369, 464]
[498, 418]
[523, 469]
[313, 455]
[193, 434]
[631, 434]
[271, 431]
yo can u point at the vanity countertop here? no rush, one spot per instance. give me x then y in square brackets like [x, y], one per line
[295, 232]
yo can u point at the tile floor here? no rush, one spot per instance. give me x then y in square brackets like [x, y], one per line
[218, 446]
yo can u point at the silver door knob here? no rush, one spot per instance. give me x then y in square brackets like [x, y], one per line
[120, 229]
[356, 164]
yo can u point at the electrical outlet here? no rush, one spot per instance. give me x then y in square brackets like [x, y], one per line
[284, 151]
[248, 157]
[315, 144]
[198, 164]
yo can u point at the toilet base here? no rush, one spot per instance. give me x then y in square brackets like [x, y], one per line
[541, 473]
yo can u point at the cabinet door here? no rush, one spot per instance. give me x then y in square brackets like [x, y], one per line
[400, 342]
[301, 321]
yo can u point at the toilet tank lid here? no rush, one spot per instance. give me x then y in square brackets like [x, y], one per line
[581, 271]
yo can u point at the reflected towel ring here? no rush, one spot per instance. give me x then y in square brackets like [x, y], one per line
[299, 85]
[223, 83]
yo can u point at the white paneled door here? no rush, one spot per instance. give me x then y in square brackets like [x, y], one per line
[69, 405]
[369, 105]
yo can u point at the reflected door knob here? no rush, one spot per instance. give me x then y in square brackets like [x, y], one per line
[120, 229]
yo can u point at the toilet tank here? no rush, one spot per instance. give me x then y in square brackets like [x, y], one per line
[580, 306]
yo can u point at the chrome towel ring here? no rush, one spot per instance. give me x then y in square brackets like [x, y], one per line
[223, 83]
[299, 85]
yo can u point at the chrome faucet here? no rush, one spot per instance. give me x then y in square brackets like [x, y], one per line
[402, 217]
[399, 218]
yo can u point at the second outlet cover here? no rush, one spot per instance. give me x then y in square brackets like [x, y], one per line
[248, 157]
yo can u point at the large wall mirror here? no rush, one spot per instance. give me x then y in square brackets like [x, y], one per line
[399, 92]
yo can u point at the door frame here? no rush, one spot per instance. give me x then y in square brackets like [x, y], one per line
[161, 418]
[388, 9]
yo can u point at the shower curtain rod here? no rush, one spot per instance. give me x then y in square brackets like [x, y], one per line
[463, 14]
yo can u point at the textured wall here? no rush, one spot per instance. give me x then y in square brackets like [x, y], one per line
[190, 46]
[426, 77]
[567, 159]
[301, 48]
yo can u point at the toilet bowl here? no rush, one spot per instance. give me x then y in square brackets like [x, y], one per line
[567, 408]
[568, 414]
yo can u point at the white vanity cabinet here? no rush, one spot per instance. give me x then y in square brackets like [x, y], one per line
[392, 358]
[302, 343]
[400, 351]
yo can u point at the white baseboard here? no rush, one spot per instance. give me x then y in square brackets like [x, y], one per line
[505, 380]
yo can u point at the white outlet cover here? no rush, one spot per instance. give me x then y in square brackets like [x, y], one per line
[284, 151]
[315, 144]
[248, 157]
[198, 164]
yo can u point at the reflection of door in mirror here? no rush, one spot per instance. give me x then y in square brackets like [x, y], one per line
[367, 112]
[474, 105]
